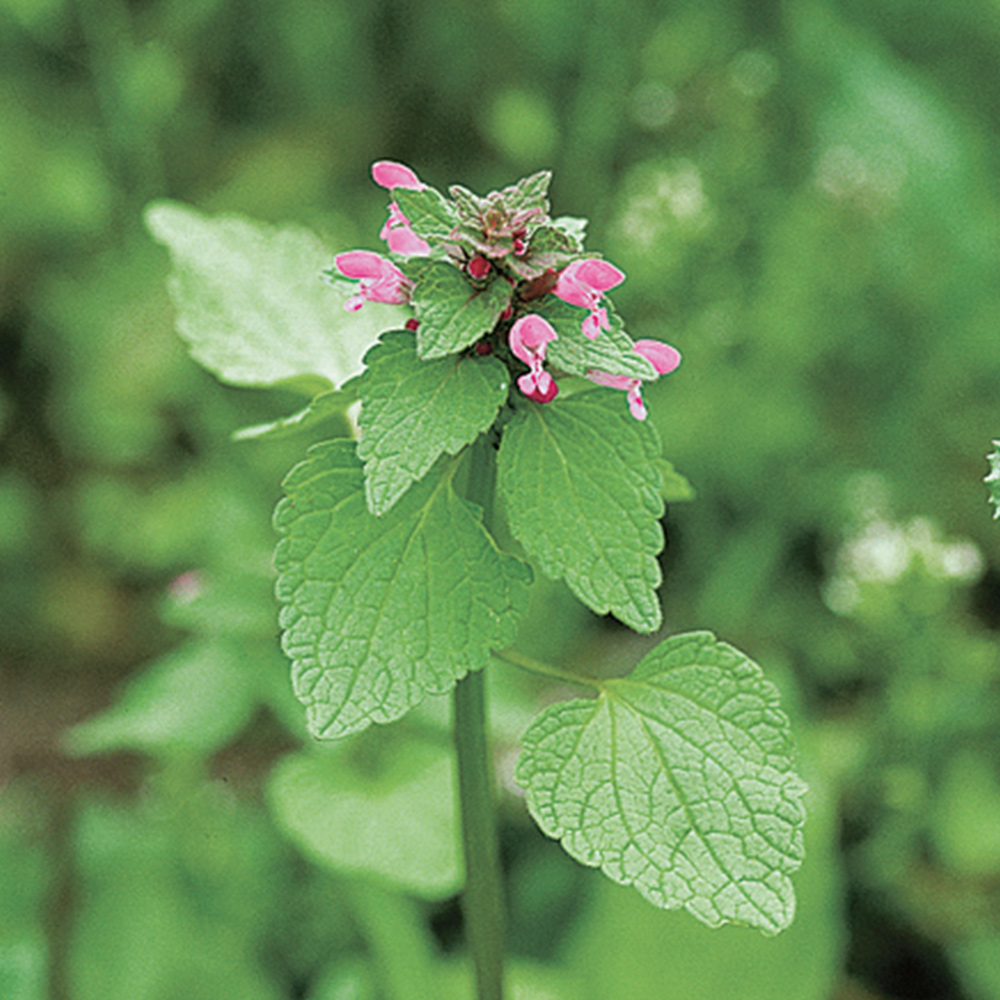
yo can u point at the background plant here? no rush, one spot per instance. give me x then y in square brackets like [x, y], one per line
[804, 202]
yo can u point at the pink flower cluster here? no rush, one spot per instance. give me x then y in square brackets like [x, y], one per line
[580, 283]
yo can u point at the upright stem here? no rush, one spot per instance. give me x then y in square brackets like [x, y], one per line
[483, 905]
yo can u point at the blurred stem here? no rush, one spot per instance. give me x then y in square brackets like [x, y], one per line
[483, 901]
[401, 949]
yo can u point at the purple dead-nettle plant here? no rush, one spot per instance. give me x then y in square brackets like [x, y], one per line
[494, 443]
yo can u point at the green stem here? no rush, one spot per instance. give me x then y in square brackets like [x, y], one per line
[483, 904]
[546, 669]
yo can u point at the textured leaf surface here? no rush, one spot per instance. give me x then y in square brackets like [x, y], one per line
[581, 488]
[379, 612]
[412, 411]
[428, 213]
[391, 817]
[677, 780]
[992, 479]
[612, 351]
[252, 306]
[452, 312]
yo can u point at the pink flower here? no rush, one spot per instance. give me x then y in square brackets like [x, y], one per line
[381, 280]
[662, 357]
[528, 337]
[582, 283]
[400, 237]
[389, 174]
[396, 231]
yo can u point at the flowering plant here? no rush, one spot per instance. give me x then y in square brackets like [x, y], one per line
[494, 443]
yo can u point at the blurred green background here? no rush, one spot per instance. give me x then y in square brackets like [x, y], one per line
[806, 200]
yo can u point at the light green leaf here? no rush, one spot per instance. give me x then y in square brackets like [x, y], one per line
[677, 780]
[412, 411]
[324, 408]
[429, 214]
[452, 312]
[992, 479]
[252, 306]
[613, 351]
[379, 612]
[194, 700]
[676, 488]
[386, 812]
[581, 489]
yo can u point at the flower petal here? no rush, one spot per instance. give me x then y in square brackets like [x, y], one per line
[389, 174]
[528, 337]
[661, 356]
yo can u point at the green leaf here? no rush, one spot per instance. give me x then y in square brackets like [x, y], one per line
[992, 479]
[251, 304]
[430, 215]
[677, 780]
[194, 700]
[581, 490]
[412, 411]
[326, 407]
[529, 192]
[453, 313]
[470, 206]
[612, 351]
[550, 249]
[575, 228]
[386, 812]
[379, 612]
[676, 488]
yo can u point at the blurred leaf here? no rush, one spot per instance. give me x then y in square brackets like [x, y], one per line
[676, 488]
[965, 825]
[192, 701]
[252, 306]
[977, 961]
[677, 780]
[384, 809]
[175, 899]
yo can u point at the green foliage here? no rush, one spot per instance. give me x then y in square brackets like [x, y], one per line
[412, 411]
[250, 304]
[611, 352]
[429, 214]
[382, 808]
[805, 204]
[992, 478]
[362, 649]
[678, 780]
[581, 494]
[452, 313]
